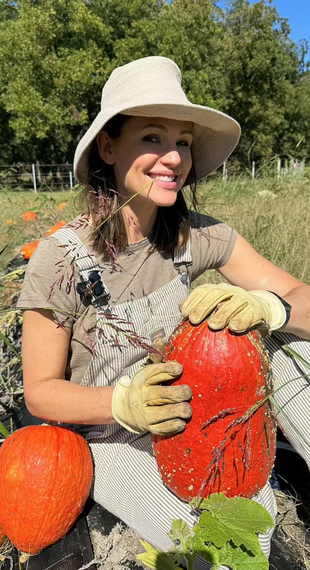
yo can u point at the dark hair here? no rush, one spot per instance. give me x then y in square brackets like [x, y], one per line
[172, 226]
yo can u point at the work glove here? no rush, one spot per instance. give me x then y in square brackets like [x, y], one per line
[141, 404]
[237, 308]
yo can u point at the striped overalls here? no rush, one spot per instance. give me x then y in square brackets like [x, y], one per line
[127, 482]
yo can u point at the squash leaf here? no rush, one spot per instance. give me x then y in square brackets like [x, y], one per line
[156, 559]
[239, 559]
[237, 520]
[184, 539]
[180, 532]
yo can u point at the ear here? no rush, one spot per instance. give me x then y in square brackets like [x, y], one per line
[105, 147]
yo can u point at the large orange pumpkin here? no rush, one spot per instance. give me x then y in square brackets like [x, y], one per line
[45, 479]
[2, 536]
[228, 445]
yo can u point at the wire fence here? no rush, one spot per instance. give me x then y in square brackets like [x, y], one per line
[36, 177]
[52, 177]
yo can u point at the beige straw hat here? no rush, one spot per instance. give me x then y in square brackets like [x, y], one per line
[151, 87]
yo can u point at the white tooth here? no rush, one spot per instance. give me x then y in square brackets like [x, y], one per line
[165, 178]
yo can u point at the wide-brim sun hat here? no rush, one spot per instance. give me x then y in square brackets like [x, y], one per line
[151, 87]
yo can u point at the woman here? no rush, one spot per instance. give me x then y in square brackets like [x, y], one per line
[115, 278]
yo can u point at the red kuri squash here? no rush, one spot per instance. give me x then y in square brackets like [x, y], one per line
[228, 445]
[45, 479]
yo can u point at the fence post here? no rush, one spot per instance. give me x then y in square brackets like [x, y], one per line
[253, 169]
[71, 179]
[34, 178]
[225, 171]
[278, 167]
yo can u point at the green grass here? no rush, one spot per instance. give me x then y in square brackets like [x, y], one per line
[276, 223]
[15, 232]
[273, 215]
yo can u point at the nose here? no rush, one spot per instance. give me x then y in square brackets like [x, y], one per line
[171, 158]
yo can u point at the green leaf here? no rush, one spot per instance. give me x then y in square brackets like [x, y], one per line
[3, 382]
[239, 559]
[235, 519]
[207, 552]
[296, 355]
[180, 531]
[3, 430]
[9, 345]
[3, 249]
[156, 559]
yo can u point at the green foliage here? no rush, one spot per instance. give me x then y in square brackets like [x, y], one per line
[55, 55]
[51, 64]
[191, 34]
[226, 533]
[232, 519]
[264, 69]
[3, 430]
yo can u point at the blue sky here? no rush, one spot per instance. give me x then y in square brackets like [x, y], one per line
[298, 14]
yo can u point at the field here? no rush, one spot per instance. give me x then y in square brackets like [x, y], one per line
[272, 214]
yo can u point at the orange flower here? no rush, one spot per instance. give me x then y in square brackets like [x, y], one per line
[56, 227]
[29, 248]
[62, 206]
[29, 216]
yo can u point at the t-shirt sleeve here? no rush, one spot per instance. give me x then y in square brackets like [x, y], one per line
[212, 243]
[50, 282]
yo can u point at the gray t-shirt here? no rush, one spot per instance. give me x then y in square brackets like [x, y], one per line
[50, 280]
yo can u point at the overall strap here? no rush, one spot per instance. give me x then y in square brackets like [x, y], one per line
[182, 260]
[91, 286]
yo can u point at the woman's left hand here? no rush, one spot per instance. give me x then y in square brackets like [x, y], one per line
[237, 308]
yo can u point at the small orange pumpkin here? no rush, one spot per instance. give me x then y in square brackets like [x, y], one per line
[29, 216]
[56, 227]
[29, 248]
[45, 479]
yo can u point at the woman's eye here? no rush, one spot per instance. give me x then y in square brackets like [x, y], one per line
[151, 138]
[183, 143]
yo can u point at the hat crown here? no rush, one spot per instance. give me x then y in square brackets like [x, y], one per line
[155, 77]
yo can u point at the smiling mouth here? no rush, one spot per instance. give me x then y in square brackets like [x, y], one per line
[165, 178]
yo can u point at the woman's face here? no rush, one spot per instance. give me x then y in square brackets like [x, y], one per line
[152, 154]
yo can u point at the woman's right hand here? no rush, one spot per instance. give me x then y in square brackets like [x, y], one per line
[142, 405]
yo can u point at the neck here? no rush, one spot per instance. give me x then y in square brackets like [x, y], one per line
[139, 221]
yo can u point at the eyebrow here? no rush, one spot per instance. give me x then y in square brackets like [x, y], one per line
[161, 127]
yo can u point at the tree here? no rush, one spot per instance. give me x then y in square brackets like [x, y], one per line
[263, 66]
[47, 62]
[55, 56]
[191, 34]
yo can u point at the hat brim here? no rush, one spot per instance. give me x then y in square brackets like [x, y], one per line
[215, 135]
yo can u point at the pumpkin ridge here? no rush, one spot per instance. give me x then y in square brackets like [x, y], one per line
[47, 510]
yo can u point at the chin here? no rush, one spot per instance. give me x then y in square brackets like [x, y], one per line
[165, 201]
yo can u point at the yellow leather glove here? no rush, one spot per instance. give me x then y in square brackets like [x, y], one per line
[237, 308]
[140, 404]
